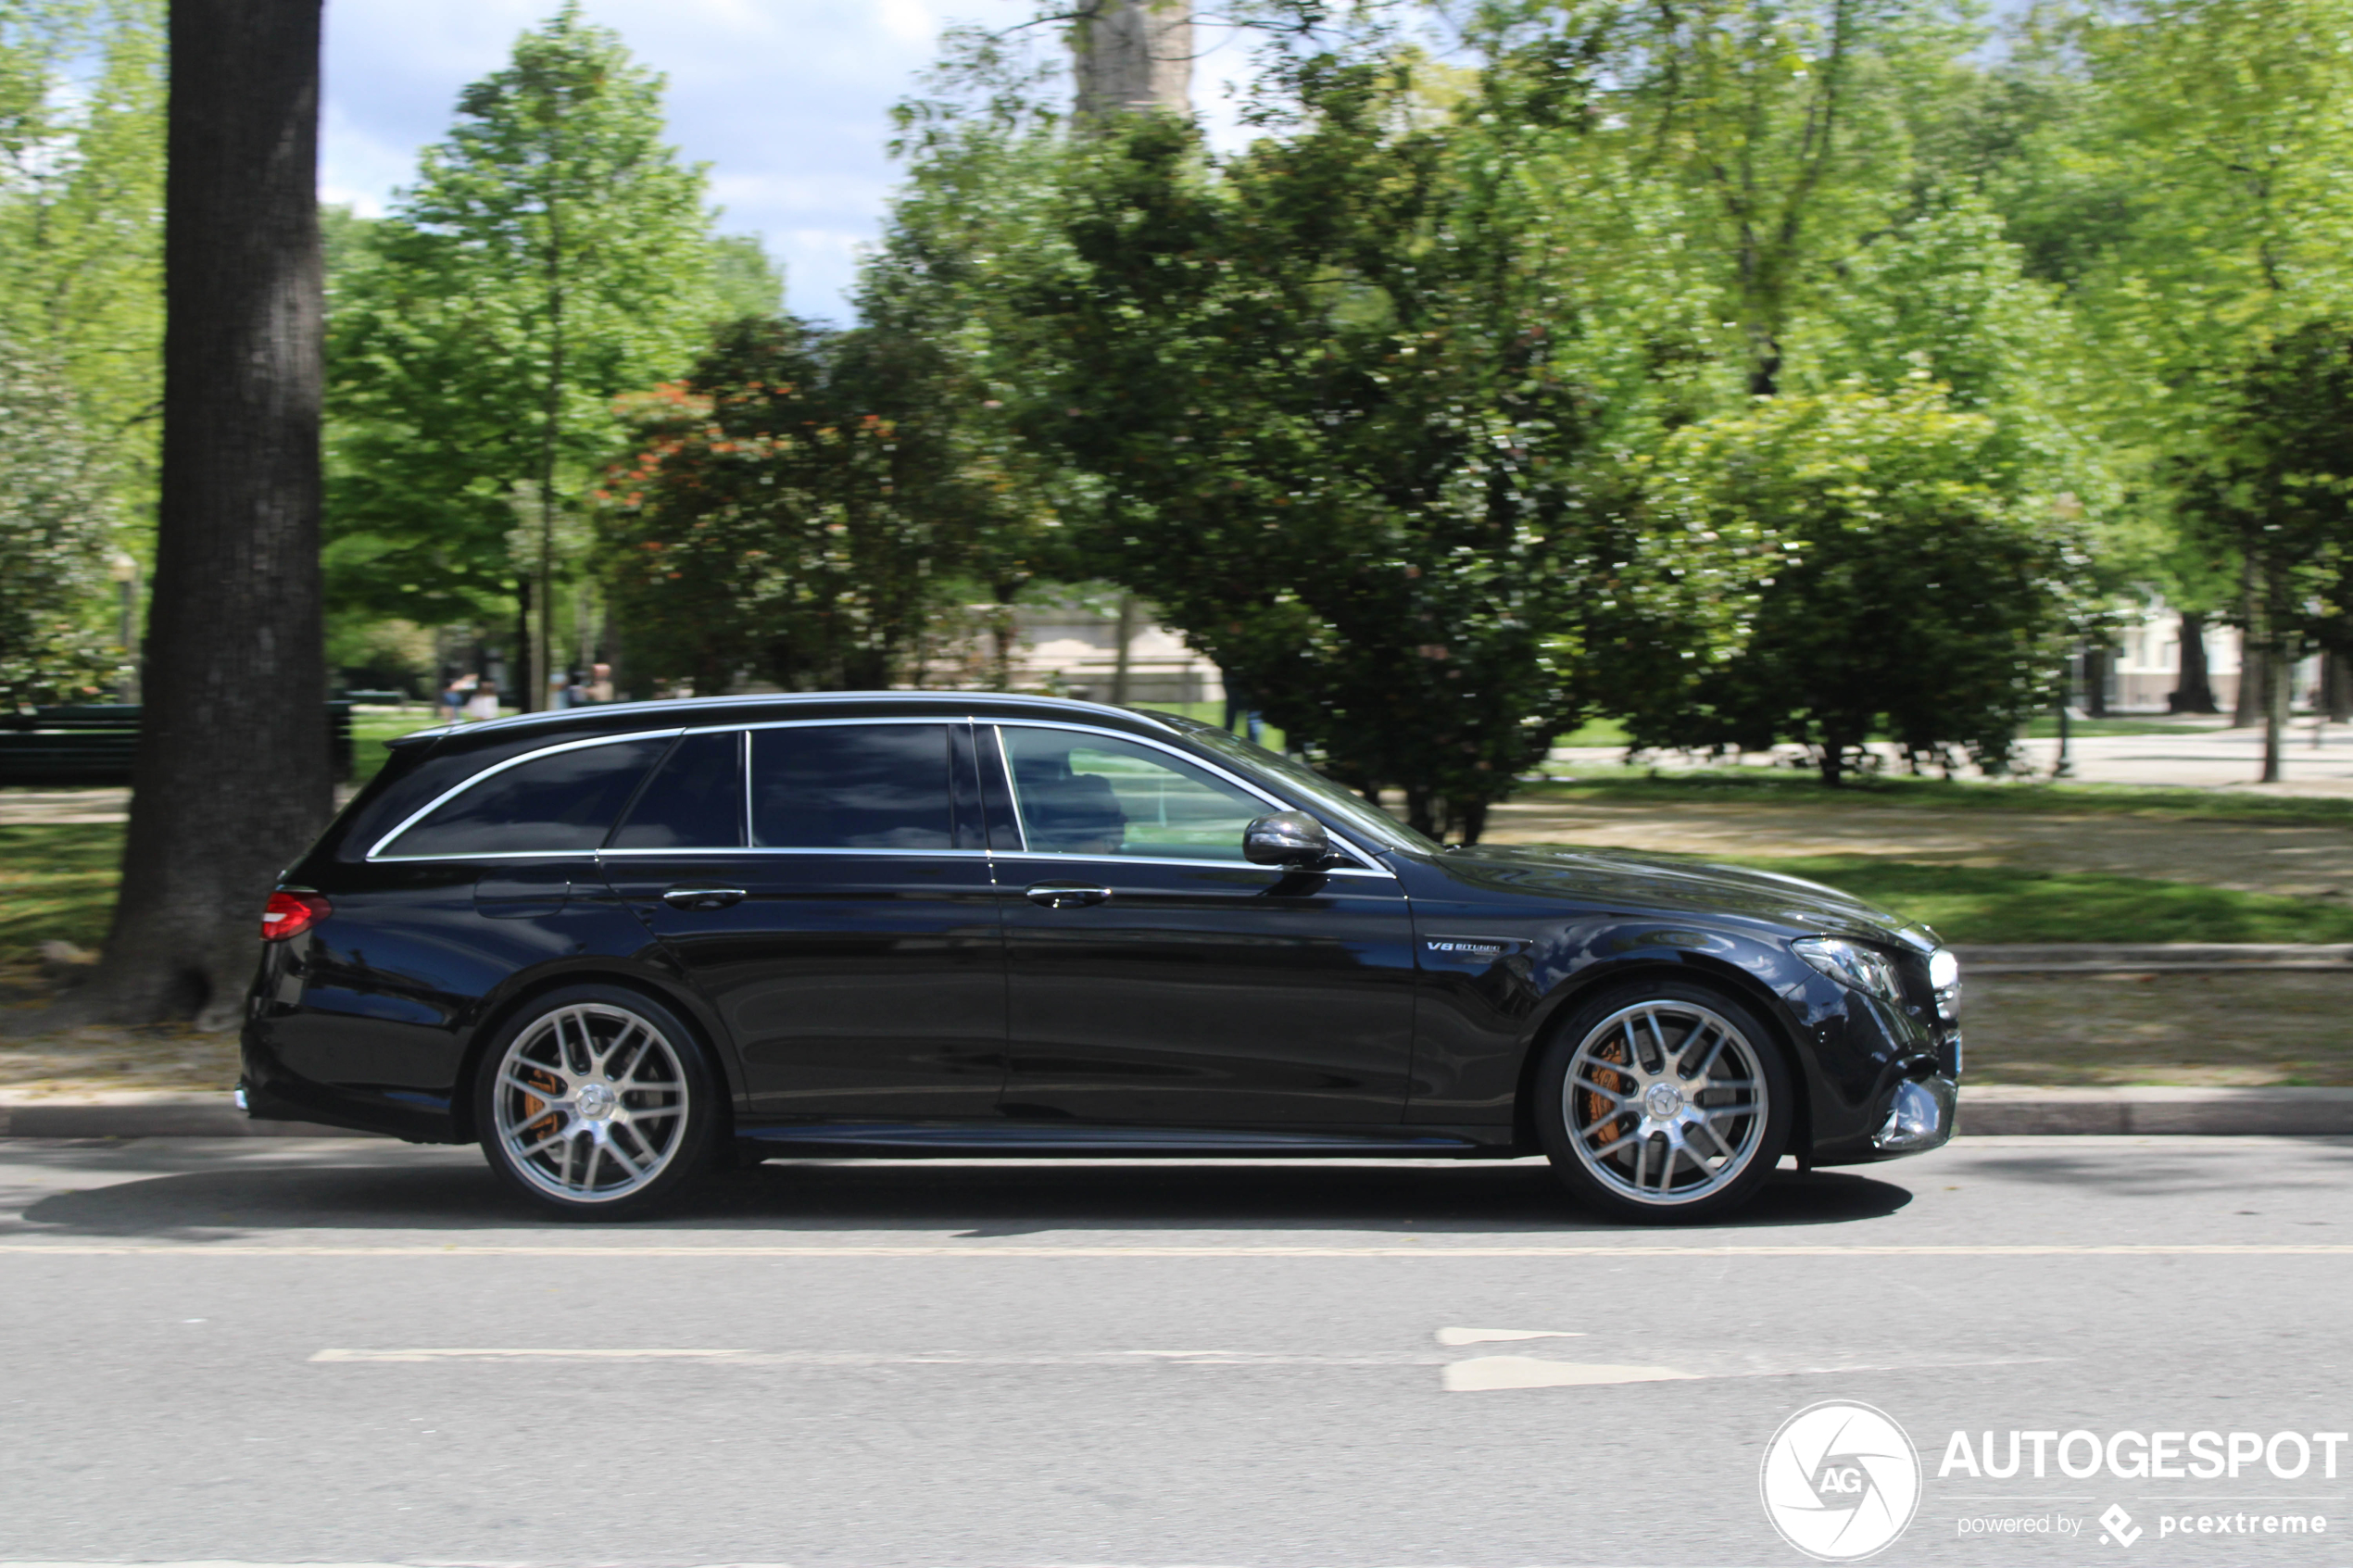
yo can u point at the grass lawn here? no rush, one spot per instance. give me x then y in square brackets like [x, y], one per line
[57, 882]
[1791, 786]
[2021, 904]
[371, 727]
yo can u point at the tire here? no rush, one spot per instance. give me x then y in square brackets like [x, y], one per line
[1663, 1102]
[597, 1102]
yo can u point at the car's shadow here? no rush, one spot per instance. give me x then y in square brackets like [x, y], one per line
[437, 1192]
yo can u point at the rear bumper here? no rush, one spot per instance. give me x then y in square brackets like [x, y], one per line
[272, 1093]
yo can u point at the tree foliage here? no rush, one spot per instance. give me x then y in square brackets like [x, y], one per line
[1333, 396]
[552, 256]
[82, 99]
[56, 519]
[794, 513]
[1925, 590]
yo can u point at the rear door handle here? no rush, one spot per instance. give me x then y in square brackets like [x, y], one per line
[1066, 895]
[702, 897]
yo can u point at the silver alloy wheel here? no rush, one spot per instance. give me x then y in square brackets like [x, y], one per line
[590, 1103]
[1665, 1102]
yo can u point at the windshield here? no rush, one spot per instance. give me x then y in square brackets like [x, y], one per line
[1326, 797]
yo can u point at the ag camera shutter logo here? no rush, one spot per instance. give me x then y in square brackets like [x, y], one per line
[1840, 1481]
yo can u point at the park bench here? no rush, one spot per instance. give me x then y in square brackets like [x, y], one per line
[93, 742]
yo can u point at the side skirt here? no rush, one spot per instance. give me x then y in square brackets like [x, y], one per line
[1029, 1140]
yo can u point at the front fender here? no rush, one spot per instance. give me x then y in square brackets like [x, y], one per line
[1484, 1018]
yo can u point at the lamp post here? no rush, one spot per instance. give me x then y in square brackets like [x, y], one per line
[124, 569]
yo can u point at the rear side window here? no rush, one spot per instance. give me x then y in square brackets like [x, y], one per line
[567, 800]
[695, 801]
[851, 786]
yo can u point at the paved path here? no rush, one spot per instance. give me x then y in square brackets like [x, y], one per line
[348, 1352]
[2205, 756]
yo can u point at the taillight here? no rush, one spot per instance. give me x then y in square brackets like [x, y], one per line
[291, 912]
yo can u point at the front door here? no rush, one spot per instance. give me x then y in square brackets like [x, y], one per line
[847, 931]
[1156, 976]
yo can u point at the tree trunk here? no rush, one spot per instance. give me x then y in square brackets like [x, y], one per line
[2095, 666]
[1474, 822]
[519, 667]
[2249, 707]
[1127, 635]
[232, 778]
[2337, 689]
[1132, 55]
[2278, 676]
[2193, 691]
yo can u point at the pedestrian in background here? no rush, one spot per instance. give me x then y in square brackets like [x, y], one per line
[600, 683]
[485, 702]
[453, 697]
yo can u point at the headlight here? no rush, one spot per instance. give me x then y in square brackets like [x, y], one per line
[1945, 974]
[1851, 963]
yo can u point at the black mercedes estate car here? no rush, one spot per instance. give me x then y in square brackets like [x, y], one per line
[617, 945]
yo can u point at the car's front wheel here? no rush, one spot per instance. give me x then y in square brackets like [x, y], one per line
[1664, 1101]
[596, 1102]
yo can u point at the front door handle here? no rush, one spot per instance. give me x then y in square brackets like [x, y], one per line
[702, 897]
[1066, 894]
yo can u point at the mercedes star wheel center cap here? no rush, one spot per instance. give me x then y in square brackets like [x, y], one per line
[598, 1101]
[1662, 1101]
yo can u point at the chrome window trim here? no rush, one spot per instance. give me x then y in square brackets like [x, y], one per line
[1366, 866]
[789, 849]
[1012, 797]
[438, 801]
[1378, 873]
[1365, 861]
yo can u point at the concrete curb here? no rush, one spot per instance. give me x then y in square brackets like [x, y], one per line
[1991, 1109]
[2139, 957]
[2004, 1109]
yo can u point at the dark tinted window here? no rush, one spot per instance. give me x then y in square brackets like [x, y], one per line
[696, 800]
[1090, 794]
[851, 786]
[565, 801]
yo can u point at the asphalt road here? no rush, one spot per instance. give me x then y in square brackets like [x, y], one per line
[344, 1351]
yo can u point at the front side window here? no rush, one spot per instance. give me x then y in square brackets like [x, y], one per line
[1090, 794]
[563, 801]
[851, 786]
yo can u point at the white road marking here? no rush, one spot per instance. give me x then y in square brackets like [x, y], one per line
[858, 1358]
[1497, 1336]
[987, 1249]
[421, 1353]
[1483, 1372]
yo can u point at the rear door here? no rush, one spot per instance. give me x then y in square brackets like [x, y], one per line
[847, 931]
[1157, 977]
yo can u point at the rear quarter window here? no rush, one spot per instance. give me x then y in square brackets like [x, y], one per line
[567, 800]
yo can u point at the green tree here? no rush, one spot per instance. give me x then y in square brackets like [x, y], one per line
[1331, 393]
[2276, 489]
[1926, 588]
[790, 513]
[55, 521]
[553, 254]
[81, 131]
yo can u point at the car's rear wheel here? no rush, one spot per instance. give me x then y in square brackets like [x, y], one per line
[1662, 1101]
[596, 1102]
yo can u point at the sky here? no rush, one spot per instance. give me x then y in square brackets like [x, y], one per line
[787, 100]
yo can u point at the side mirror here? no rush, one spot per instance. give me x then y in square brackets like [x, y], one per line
[1287, 838]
